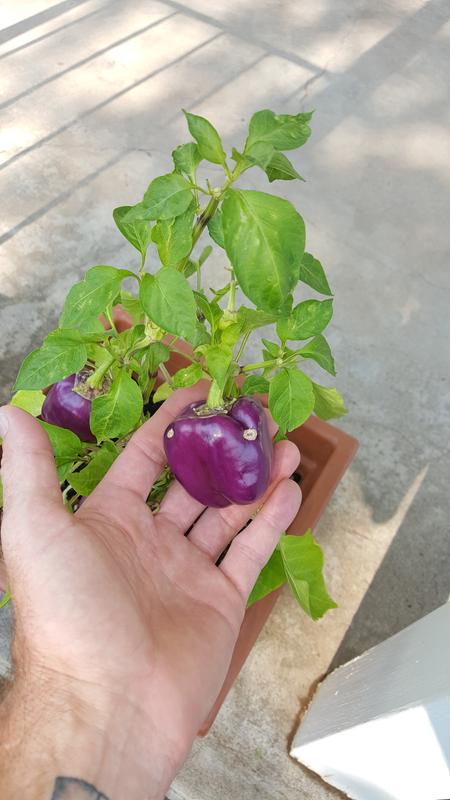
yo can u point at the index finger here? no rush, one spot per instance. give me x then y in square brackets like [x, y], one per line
[142, 460]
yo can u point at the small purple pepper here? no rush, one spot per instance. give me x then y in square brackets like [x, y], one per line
[68, 409]
[221, 456]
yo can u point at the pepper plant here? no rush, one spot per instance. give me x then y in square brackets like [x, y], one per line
[121, 375]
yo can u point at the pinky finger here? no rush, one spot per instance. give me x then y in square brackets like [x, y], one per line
[251, 550]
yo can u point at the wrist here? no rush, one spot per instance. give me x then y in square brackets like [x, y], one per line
[52, 726]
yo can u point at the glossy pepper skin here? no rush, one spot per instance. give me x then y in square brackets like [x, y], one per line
[68, 409]
[221, 457]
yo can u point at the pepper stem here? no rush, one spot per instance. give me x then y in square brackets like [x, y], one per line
[215, 396]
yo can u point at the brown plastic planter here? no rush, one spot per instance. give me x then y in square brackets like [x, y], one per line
[326, 453]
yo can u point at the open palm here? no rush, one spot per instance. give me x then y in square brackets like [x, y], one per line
[122, 599]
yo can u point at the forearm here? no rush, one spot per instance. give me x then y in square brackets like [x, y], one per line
[62, 744]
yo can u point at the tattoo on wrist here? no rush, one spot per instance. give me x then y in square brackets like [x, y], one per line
[75, 789]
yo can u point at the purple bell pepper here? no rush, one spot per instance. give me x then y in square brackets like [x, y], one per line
[68, 409]
[221, 456]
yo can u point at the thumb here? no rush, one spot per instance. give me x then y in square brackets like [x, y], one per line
[30, 481]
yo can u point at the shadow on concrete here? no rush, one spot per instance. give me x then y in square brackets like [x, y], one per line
[412, 579]
[38, 19]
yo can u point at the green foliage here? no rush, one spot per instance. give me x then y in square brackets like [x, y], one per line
[85, 481]
[264, 239]
[187, 376]
[271, 577]
[91, 296]
[30, 400]
[282, 131]
[303, 565]
[215, 228]
[307, 319]
[173, 237]
[66, 445]
[262, 247]
[138, 233]
[169, 301]
[255, 384]
[319, 351]
[328, 404]
[299, 561]
[207, 138]
[166, 197]
[291, 398]
[312, 273]
[186, 158]
[55, 360]
[117, 412]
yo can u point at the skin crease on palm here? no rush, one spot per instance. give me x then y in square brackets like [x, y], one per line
[117, 611]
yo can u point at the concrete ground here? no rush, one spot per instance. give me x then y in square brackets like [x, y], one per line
[90, 113]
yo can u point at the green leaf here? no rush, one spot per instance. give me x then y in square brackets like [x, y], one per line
[251, 318]
[70, 336]
[186, 158]
[88, 298]
[273, 349]
[173, 237]
[157, 353]
[162, 393]
[118, 412]
[219, 293]
[218, 360]
[30, 401]
[66, 445]
[307, 319]
[84, 482]
[207, 138]
[279, 168]
[167, 197]
[50, 363]
[127, 340]
[276, 165]
[187, 376]
[319, 350]
[205, 254]
[169, 301]
[271, 577]
[291, 398]
[231, 334]
[264, 239]
[200, 337]
[255, 384]
[215, 228]
[137, 232]
[132, 305]
[283, 131]
[312, 273]
[211, 311]
[329, 403]
[303, 564]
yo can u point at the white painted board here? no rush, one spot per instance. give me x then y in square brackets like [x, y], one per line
[378, 728]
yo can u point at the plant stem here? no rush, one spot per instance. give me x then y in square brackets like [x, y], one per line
[141, 268]
[232, 295]
[108, 315]
[262, 365]
[206, 215]
[168, 377]
[95, 380]
[185, 355]
[245, 339]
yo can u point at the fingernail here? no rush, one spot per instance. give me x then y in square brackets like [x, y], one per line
[3, 422]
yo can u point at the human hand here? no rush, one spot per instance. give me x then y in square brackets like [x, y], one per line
[124, 626]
